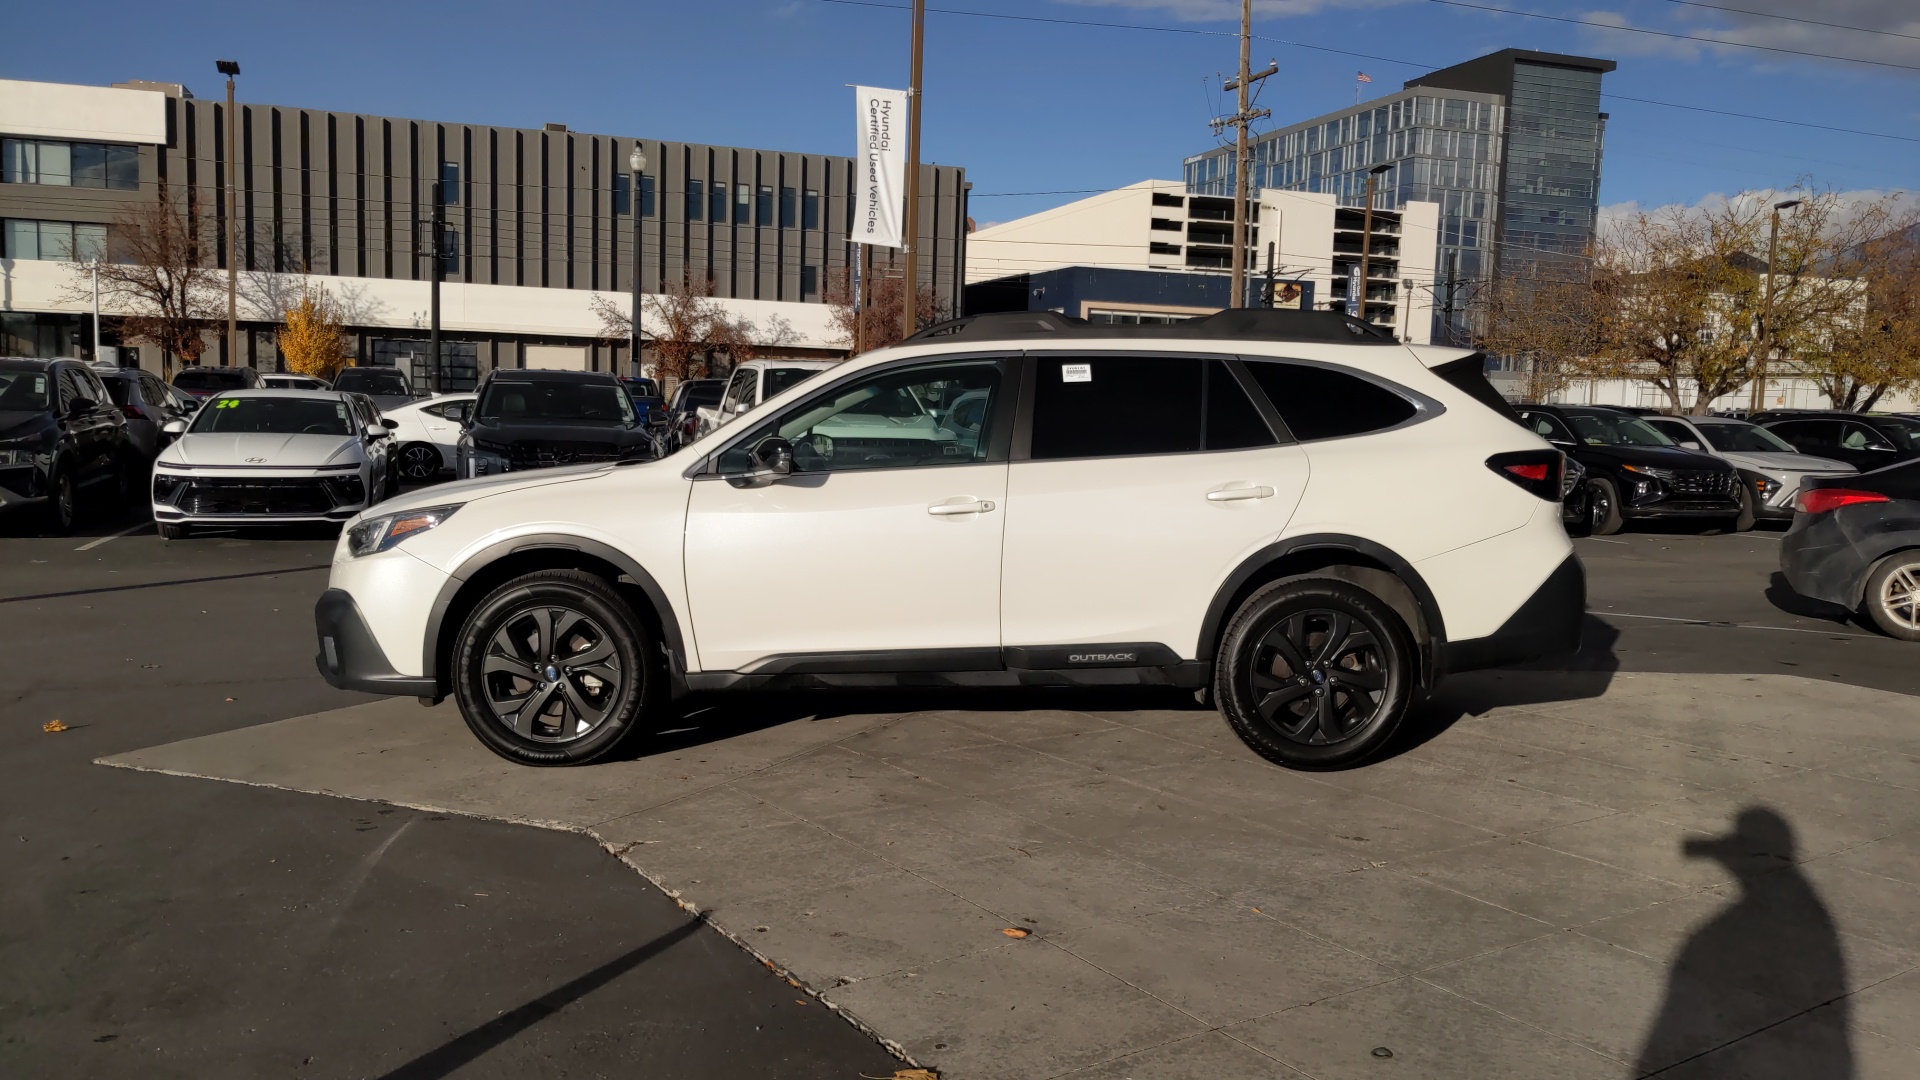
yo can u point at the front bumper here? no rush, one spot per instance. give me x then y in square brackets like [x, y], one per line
[1548, 624]
[258, 497]
[350, 658]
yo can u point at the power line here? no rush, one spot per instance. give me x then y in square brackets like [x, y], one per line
[1668, 34]
[1794, 19]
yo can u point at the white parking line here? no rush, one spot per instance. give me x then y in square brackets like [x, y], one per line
[1604, 540]
[91, 544]
[1732, 625]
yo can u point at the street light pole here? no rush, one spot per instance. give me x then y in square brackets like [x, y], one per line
[439, 227]
[1366, 238]
[94, 265]
[1766, 309]
[230, 68]
[911, 302]
[637, 164]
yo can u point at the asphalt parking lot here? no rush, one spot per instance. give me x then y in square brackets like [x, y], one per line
[1444, 905]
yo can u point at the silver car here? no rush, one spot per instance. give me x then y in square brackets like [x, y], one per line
[1771, 467]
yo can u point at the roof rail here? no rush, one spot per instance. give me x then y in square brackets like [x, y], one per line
[1234, 324]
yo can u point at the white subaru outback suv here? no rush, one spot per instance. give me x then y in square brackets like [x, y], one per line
[1310, 520]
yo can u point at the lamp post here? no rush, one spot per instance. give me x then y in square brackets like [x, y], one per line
[1766, 308]
[1366, 237]
[93, 265]
[230, 68]
[637, 163]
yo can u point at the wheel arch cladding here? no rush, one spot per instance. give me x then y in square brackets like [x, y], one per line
[1346, 558]
[492, 567]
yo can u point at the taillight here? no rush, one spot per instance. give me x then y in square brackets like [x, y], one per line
[1538, 471]
[1821, 500]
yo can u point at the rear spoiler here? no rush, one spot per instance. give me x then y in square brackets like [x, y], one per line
[1468, 374]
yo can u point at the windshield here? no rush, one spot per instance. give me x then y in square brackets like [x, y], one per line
[780, 378]
[198, 378]
[274, 416]
[372, 381]
[1748, 437]
[1609, 429]
[24, 391]
[516, 400]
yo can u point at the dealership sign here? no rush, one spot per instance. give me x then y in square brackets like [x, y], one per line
[882, 181]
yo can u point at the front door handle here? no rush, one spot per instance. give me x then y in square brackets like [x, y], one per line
[1235, 494]
[968, 506]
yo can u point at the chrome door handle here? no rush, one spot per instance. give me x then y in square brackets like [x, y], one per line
[971, 506]
[1235, 494]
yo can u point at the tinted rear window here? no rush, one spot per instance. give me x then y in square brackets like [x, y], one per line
[372, 381]
[780, 378]
[705, 394]
[1320, 403]
[200, 378]
[119, 390]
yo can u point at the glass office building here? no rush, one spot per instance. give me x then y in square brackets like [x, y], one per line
[1508, 145]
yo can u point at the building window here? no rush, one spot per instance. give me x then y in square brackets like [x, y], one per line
[646, 196]
[810, 210]
[55, 241]
[449, 250]
[622, 194]
[742, 205]
[696, 200]
[63, 164]
[449, 184]
[1157, 248]
[764, 211]
[717, 204]
[1166, 224]
[788, 197]
[809, 282]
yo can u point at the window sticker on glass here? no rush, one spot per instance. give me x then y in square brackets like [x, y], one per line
[1076, 372]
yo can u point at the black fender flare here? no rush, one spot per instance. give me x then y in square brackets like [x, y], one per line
[493, 553]
[1218, 611]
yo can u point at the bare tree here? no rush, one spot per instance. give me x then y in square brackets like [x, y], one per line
[160, 272]
[690, 333]
[1870, 344]
[1542, 315]
[876, 323]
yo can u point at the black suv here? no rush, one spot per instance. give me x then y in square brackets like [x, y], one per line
[60, 435]
[204, 382]
[1634, 473]
[1864, 441]
[388, 387]
[535, 419]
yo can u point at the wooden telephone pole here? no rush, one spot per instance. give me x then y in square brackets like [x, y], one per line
[1239, 121]
[910, 316]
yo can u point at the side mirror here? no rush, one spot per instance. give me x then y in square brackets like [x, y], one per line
[82, 407]
[1689, 444]
[175, 428]
[390, 425]
[740, 407]
[457, 412]
[772, 460]
[376, 431]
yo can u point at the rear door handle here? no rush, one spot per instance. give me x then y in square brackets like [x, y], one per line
[970, 506]
[1235, 494]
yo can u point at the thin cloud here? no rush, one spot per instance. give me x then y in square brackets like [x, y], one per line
[1880, 23]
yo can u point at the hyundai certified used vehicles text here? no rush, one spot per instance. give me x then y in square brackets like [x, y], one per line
[1022, 499]
[272, 457]
[1866, 441]
[530, 419]
[1855, 542]
[1634, 473]
[1771, 469]
[205, 380]
[62, 441]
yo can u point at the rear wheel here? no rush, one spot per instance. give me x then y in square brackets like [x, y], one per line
[553, 668]
[1314, 673]
[1744, 522]
[63, 503]
[1893, 595]
[1603, 506]
[419, 461]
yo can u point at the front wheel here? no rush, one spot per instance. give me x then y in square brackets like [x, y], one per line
[553, 668]
[63, 503]
[1893, 595]
[1603, 506]
[1315, 673]
[1744, 522]
[419, 461]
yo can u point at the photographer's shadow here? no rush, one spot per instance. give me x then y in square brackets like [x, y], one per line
[1775, 947]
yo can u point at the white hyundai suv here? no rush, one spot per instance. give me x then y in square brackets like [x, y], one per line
[1307, 519]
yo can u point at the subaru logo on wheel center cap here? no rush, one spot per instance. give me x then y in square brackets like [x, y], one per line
[552, 674]
[1319, 676]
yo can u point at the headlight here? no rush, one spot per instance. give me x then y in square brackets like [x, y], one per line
[380, 533]
[1648, 470]
[1765, 486]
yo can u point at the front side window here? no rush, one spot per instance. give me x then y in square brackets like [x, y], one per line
[938, 414]
[1745, 437]
[1321, 403]
[739, 391]
[1125, 406]
[1548, 427]
[1614, 429]
[1672, 429]
[274, 416]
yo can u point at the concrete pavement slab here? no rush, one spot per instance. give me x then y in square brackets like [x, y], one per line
[1888, 1009]
[1552, 886]
[1896, 857]
[1214, 1054]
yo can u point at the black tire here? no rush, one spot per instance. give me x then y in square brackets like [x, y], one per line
[63, 504]
[174, 532]
[1603, 506]
[1744, 522]
[527, 631]
[1315, 673]
[419, 462]
[1891, 598]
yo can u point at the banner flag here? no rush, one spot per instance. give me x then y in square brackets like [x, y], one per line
[881, 182]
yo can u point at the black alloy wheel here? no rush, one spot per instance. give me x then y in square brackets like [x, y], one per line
[1744, 522]
[419, 461]
[1603, 507]
[1315, 673]
[63, 503]
[553, 668]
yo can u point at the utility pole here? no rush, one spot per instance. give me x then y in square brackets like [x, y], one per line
[93, 264]
[439, 266]
[1242, 118]
[637, 161]
[1453, 274]
[230, 68]
[1366, 238]
[1766, 309]
[911, 303]
[1267, 301]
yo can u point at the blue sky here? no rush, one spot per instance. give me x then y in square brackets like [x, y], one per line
[1031, 106]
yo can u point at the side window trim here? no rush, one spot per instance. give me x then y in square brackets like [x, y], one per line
[1282, 435]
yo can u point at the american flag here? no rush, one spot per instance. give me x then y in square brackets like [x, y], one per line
[1363, 77]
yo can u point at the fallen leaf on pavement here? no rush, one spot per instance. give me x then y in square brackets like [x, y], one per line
[1015, 932]
[54, 725]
